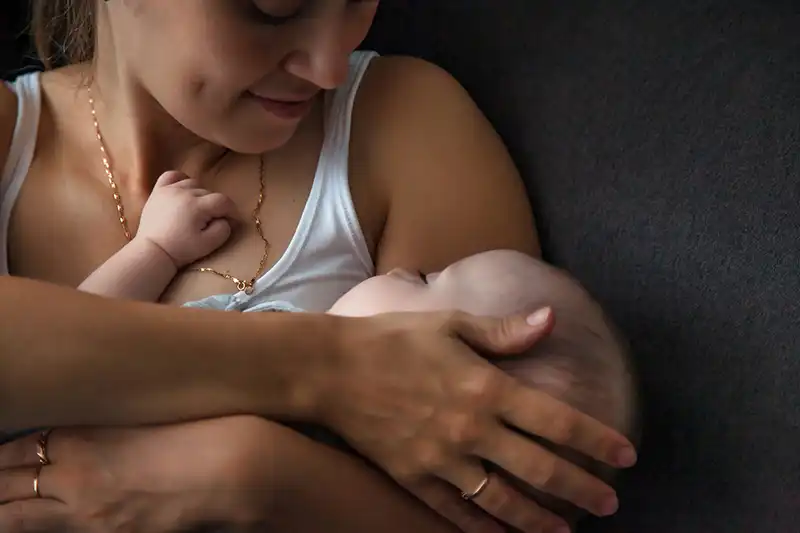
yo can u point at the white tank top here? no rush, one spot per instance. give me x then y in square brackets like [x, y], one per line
[327, 255]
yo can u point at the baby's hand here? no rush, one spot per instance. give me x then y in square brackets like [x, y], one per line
[184, 220]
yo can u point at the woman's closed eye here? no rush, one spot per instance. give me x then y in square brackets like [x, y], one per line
[277, 12]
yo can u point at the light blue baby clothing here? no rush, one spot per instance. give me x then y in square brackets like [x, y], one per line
[229, 302]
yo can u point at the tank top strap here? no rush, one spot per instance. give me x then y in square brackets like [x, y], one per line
[336, 154]
[20, 156]
[341, 102]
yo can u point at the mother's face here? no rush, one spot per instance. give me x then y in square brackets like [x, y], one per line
[225, 69]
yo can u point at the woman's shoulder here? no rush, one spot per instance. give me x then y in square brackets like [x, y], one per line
[28, 106]
[393, 80]
[402, 100]
[419, 135]
[8, 119]
[399, 100]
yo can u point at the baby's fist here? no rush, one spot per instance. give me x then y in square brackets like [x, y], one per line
[184, 220]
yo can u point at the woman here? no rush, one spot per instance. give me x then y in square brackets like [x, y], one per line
[354, 165]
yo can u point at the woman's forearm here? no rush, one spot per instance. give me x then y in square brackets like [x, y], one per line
[323, 489]
[70, 358]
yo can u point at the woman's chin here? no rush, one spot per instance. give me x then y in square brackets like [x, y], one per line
[258, 140]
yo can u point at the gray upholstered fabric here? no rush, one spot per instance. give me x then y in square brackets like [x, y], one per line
[660, 142]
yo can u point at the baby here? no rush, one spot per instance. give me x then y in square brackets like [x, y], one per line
[582, 362]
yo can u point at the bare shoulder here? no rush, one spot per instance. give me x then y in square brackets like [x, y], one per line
[449, 183]
[395, 85]
[8, 119]
[393, 75]
[57, 93]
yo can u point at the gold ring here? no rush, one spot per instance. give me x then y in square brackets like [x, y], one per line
[36, 483]
[477, 492]
[41, 448]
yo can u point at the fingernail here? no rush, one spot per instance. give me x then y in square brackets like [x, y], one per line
[609, 506]
[626, 457]
[539, 318]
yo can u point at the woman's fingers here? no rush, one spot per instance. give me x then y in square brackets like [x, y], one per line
[538, 413]
[492, 494]
[500, 336]
[549, 473]
[20, 484]
[446, 501]
[20, 453]
[35, 516]
[533, 411]
[26, 470]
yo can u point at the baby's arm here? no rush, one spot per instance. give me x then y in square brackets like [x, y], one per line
[180, 224]
[141, 270]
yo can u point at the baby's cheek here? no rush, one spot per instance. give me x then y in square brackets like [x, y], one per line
[359, 303]
[382, 294]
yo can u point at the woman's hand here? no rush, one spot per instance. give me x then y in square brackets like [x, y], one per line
[415, 399]
[150, 480]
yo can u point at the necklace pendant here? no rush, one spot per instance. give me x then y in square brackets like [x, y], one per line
[248, 290]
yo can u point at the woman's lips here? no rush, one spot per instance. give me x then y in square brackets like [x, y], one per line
[285, 109]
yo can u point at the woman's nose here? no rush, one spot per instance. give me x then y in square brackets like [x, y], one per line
[323, 57]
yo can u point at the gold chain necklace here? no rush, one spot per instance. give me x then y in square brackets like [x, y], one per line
[241, 285]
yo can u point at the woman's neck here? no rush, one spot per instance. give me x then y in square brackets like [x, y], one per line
[142, 139]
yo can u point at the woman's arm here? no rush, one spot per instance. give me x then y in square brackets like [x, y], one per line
[325, 489]
[70, 358]
[239, 473]
[8, 117]
[450, 185]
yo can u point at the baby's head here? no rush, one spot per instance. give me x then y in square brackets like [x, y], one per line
[480, 284]
[583, 362]
[496, 283]
[504, 282]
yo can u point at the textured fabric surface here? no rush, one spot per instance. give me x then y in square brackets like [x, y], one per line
[660, 142]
